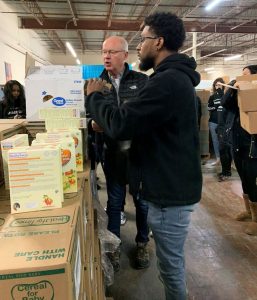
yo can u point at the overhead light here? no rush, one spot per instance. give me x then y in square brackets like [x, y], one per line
[233, 57]
[193, 47]
[208, 69]
[72, 51]
[212, 4]
[78, 61]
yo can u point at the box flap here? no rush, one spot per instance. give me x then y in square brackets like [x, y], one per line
[247, 77]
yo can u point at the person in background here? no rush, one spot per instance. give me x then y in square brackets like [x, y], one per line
[161, 122]
[213, 104]
[122, 86]
[13, 106]
[225, 143]
[199, 111]
[245, 156]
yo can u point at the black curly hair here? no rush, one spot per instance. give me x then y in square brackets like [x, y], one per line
[170, 27]
[8, 97]
[214, 83]
[8, 92]
[251, 68]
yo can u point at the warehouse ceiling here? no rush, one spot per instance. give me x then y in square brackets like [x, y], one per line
[229, 28]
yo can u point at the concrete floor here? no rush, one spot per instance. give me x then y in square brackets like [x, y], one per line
[221, 260]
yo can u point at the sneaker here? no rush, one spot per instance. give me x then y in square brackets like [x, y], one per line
[223, 178]
[114, 258]
[142, 256]
[222, 174]
[123, 218]
[215, 163]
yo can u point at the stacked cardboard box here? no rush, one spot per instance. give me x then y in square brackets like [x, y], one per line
[34, 127]
[247, 101]
[66, 228]
[53, 87]
[204, 129]
[47, 260]
[9, 128]
[58, 251]
[17, 140]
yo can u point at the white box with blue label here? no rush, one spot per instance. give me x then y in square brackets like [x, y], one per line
[54, 86]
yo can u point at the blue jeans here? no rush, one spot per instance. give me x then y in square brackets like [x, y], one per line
[116, 198]
[170, 227]
[215, 140]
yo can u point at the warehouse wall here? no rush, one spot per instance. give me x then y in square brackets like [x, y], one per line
[14, 43]
[89, 58]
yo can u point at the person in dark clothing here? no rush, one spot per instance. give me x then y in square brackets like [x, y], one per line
[199, 111]
[245, 156]
[122, 85]
[13, 106]
[161, 122]
[225, 144]
[213, 104]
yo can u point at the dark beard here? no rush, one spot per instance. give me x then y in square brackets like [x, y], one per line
[146, 64]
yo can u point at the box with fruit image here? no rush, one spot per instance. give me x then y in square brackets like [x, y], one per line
[69, 171]
[46, 262]
[75, 134]
[35, 176]
[17, 140]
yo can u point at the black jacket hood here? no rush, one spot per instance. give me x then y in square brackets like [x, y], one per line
[183, 63]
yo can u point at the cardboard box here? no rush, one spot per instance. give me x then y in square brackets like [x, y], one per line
[53, 86]
[55, 124]
[226, 79]
[33, 184]
[204, 95]
[76, 135]
[46, 262]
[15, 141]
[8, 130]
[5, 208]
[32, 128]
[247, 93]
[68, 155]
[248, 121]
[50, 113]
[1, 169]
[12, 121]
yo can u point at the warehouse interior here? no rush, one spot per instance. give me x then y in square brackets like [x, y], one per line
[221, 259]
[227, 29]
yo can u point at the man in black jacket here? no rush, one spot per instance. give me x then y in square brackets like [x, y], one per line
[122, 86]
[164, 154]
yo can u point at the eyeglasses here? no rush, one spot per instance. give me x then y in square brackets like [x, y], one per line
[143, 38]
[111, 52]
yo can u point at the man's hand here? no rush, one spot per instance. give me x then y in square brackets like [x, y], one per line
[96, 127]
[95, 85]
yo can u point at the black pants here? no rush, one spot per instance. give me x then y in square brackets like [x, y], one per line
[225, 158]
[225, 155]
[247, 170]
